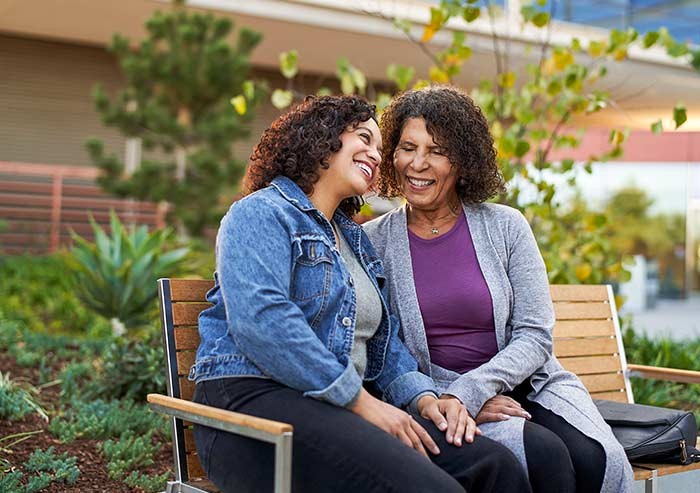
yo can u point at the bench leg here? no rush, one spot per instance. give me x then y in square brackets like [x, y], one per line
[283, 463]
[651, 485]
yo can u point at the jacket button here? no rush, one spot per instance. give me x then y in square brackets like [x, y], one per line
[347, 321]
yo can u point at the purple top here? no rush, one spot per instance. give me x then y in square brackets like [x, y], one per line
[454, 300]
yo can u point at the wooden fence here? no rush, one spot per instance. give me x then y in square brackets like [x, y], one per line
[41, 203]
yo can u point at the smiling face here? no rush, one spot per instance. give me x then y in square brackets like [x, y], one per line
[352, 170]
[423, 171]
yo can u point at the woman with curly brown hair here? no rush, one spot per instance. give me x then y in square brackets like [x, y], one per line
[299, 330]
[470, 287]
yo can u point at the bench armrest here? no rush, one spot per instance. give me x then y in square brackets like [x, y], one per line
[241, 424]
[660, 373]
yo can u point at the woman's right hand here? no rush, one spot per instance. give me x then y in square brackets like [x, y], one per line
[395, 422]
[501, 408]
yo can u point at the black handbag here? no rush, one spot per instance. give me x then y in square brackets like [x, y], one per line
[652, 434]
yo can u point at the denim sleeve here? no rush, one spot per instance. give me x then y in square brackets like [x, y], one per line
[254, 258]
[400, 381]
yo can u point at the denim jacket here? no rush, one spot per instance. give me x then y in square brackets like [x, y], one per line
[284, 305]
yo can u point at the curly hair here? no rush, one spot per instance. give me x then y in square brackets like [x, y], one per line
[299, 142]
[457, 124]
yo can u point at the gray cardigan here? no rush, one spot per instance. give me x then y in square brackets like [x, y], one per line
[524, 318]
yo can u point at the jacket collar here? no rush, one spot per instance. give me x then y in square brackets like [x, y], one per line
[296, 196]
[291, 191]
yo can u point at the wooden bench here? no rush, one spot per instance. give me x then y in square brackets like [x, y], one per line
[180, 303]
[587, 341]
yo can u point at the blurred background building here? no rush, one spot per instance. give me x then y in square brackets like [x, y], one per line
[53, 52]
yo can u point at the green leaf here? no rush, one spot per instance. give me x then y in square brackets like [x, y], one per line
[239, 104]
[695, 60]
[522, 147]
[249, 90]
[289, 63]
[347, 85]
[470, 14]
[657, 127]
[650, 39]
[359, 79]
[324, 91]
[401, 75]
[679, 115]
[540, 19]
[281, 99]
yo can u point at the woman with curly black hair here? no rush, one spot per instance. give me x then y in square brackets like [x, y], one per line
[470, 287]
[299, 331]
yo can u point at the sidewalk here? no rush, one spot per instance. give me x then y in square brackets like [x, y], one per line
[677, 319]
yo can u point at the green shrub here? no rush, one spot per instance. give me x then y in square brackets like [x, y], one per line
[10, 481]
[61, 467]
[150, 484]
[130, 369]
[116, 275]
[37, 292]
[48, 467]
[101, 420]
[668, 353]
[129, 452]
[17, 400]
[30, 347]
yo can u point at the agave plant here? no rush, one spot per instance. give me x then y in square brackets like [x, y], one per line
[116, 275]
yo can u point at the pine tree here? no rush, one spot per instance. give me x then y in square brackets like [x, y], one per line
[179, 83]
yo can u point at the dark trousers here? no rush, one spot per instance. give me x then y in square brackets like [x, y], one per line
[559, 457]
[337, 450]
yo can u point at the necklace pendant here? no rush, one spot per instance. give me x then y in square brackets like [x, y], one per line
[434, 230]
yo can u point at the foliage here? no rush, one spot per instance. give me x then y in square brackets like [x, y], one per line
[670, 354]
[61, 467]
[36, 292]
[180, 81]
[530, 110]
[100, 419]
[150, 484]
[48, 467]
[130, 369]
[32, 348]
[18, 399]
[129, 452]
[116, 275]
[632, 229]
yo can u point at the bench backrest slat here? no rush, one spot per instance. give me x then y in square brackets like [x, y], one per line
[587, 339]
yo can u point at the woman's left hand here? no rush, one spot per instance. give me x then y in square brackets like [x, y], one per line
[450, 416]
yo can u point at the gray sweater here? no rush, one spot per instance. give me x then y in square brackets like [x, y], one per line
[524, 318]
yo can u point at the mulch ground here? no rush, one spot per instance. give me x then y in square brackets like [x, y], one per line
[93, 467]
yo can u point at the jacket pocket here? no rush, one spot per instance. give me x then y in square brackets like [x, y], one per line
[311, 273]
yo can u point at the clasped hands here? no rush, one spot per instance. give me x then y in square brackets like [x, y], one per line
[448, 413]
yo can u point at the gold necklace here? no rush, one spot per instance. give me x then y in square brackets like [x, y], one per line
[434, 225]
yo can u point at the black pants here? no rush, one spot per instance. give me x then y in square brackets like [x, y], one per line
[559, 457]
[336, 450]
